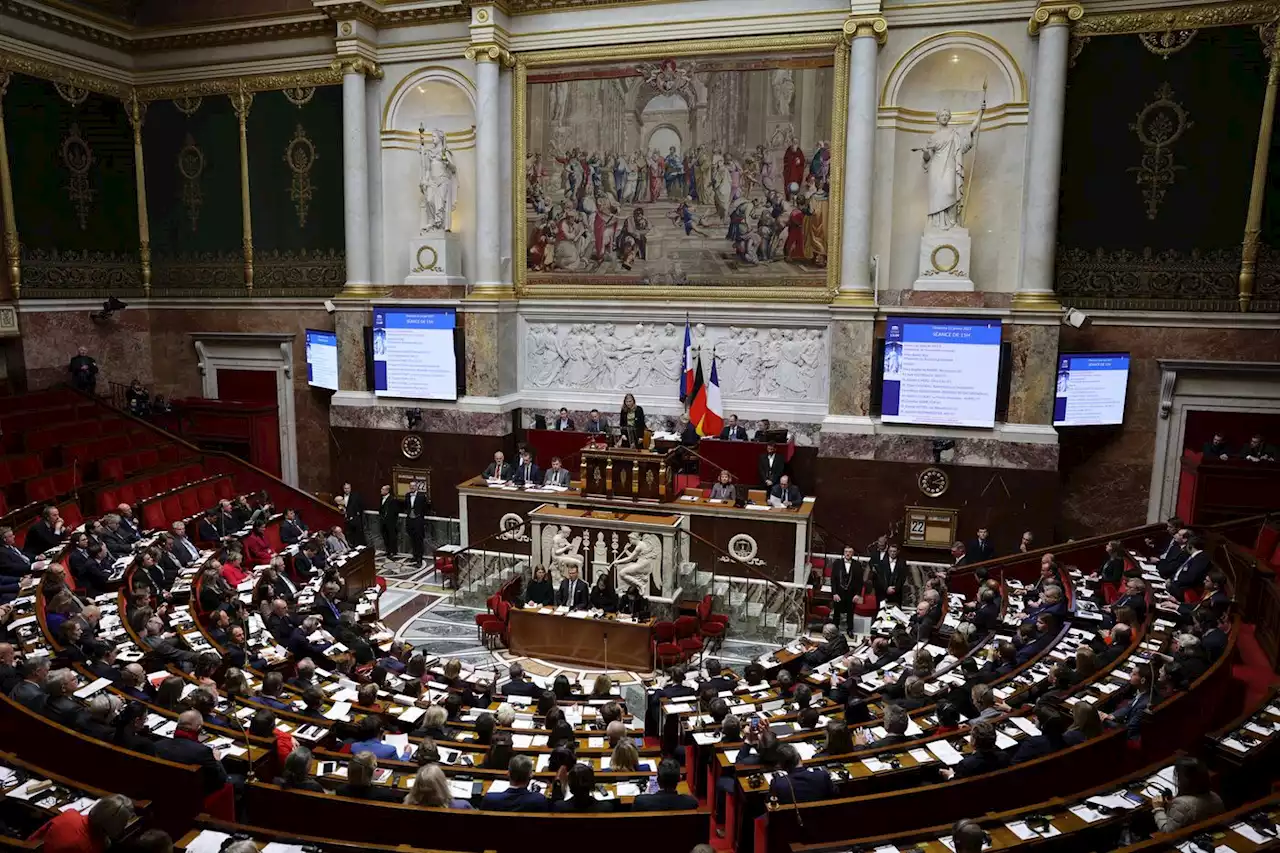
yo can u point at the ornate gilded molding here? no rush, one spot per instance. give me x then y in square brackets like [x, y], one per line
[70, 274]
[1158, 125]
[327, 76]
[344, 65]
[188, 106]
[300, 155]
[381, 15]
[316, 268]
[1053, 15]
[1188, 18]
[219, 36]
[57, 74]
[874, 27]
[1170, 276]
[299, 96]
[1168, 42]
[490, 53]
[72, 94]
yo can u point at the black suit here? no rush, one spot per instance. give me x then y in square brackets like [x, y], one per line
[117, 542]
[389, 523]
[528, 474]
[982, 761]
[578, 599]
[207, 530]
[41, 538]
[499, 472]
[770, 471]
[291, 532]
[734, 433]
[895, 575]
[664, 801]
[521, 688]
[13, 562]
[790, 495]
[63, 710]
[185, 551]
[1189, 575]
[846, 582]
[30, 695]
[185, 751]
[597, 426]
[632, 434]
[416, 506]
[353, 513]
[980, 550]
[803, 785]
[563, 424]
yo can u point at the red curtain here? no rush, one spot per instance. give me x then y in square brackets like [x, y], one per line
[254, 386]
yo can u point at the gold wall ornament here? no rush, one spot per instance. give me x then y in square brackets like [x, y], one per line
[427, 260]
[290, 272]
[1257, 189]
[188, 105]
[242, 102]
[76, 274]
[933, 482]
[325, 76]
[1074, 48]
[876, 27]
[72, 94]
[1267, 35]
[357, 65]
[1183, 18]
[191, 167]
[12, 247]
[78, 159]
[1166, 43]
[299, 96]
[301, 155]
[136, 111]
[1132, 280]
[11, 61]
[1158, 126]
[1054, 14]
[490, 53]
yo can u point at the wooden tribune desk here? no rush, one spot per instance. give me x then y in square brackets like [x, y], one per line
[540, 633]
[624, 473]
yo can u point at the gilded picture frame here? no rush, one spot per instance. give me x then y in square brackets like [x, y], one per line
[814, 290]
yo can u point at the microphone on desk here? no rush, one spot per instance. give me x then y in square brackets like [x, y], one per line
[248, 746]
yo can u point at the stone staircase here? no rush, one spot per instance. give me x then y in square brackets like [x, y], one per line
[755, 610]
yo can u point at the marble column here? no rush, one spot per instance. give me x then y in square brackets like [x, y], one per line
[489, 59]
[1044, 156]
[865, 37]
[373, 131]
[852, 352]
[1035, 360]
[355, 166]
[507, 269]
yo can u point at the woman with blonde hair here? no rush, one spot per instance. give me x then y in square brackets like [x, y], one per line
[431, 789]
[602, 688]
[626, 757]
[1085, 724]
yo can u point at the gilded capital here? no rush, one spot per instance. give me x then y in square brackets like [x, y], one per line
[241, 102]
[5, 77]
[874, 27]
[490, 53]
[136, 111]
[1054, 15]
[357, 65]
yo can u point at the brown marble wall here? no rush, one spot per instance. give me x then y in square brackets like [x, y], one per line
[852, 350]
[1035, 358]
[1106, 471]
[121, 345]
[352, 369]
[975, 452]
[482, 348]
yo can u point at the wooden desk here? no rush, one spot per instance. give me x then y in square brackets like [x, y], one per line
[595, 642]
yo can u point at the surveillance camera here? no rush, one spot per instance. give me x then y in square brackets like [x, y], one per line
[1075, 318]
[329, 306]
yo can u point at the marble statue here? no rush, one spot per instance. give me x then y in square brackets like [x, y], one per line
[438, 182]
[640, 561]
[943, 158]
[776, 364]
[784, 89]
[564, 554]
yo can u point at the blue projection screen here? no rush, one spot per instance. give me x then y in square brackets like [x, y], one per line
[941, 372]
[1090, 389]
[413, 353]
[322, 359]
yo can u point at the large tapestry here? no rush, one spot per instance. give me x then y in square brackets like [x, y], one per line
[682, 168]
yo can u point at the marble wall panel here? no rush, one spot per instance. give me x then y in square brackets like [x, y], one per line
[968, 452]
[482, 352]
[120, 345]
[1035, 354]
[804, 434]
[452, 421]
[352, 369]
[852, 351]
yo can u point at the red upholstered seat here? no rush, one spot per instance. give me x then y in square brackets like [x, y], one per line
[4, 506]
[70, 512]
[153, 516]
[172, 507]
[168, 454]
[189, 501]
[666, 654]
[107, 501]
[40, 489]
[148, 458]
[127, 494]
[481, 618]
[223, 488]
[66, 480]
[25, 466]
[494, 628]
[205, 495]
[221, 804]
[111, 469]
[817, 612]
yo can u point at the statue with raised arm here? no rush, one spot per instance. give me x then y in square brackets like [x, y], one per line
[438, 182]
[564, 554]
[638, 562]
[944, 166]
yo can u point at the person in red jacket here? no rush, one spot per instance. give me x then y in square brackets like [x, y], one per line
[256, 548]
[233, 569]
[73, 832]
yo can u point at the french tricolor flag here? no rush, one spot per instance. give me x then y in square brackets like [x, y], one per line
[690, 365]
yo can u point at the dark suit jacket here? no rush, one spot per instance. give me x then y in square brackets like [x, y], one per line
[281, 627]
[791, 495]
[982, 761]
[737, 433]
[1189, 575]
[638, 427]
[580, 594]
[806, 785]
[41, 538]
[827, 651]
[388, 510]
[1036, 746]
[521, 688]
[207, 531]
[64, 710]
[354, 510]
[506, 472]
[889, 740]
[417, 502]
[117, 542]
[580, 805]
[291, 531]
[530, 473]
[980, 549]
[13, 562]
[601, 425]
[664, 801]
[379, 793]
[987, 616]
[517, 800]
[846, 578]
[30, 695]
[562, 425]
[189, 752]
[769, 472]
